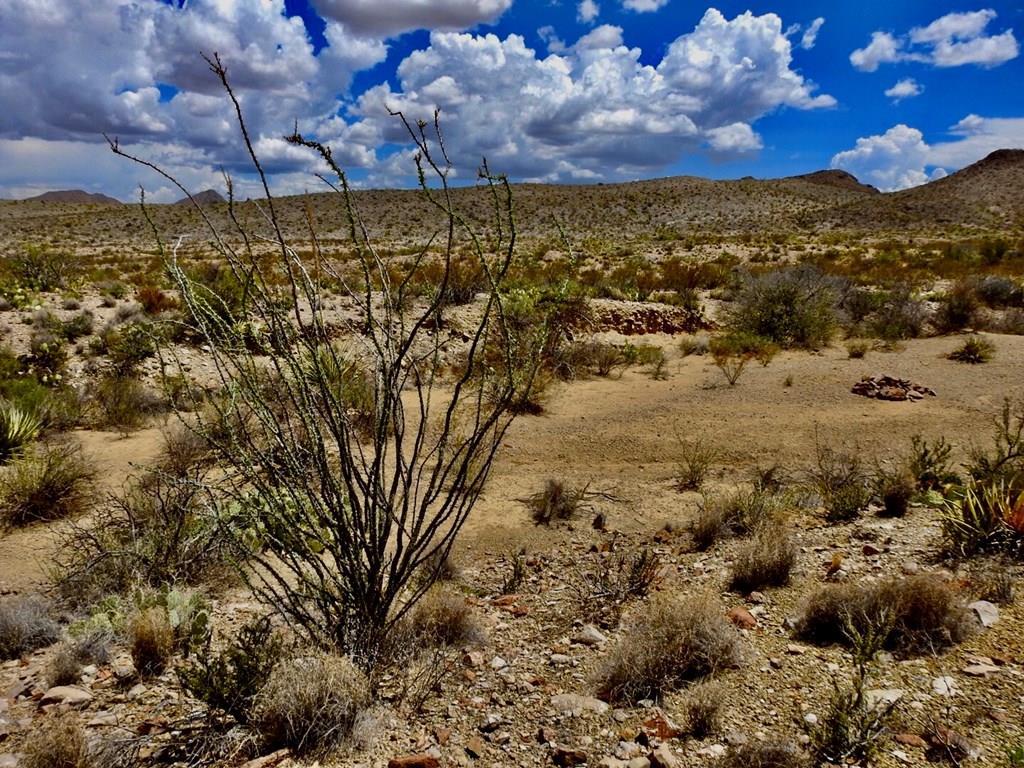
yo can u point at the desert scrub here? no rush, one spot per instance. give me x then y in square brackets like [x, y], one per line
[731, 353]
[930, 464]
[895, 488]
[606, 583]
[735, 513]
[310, 703]
[51, 483]
[841, 482]
[163, 623]
[857, 349]
[59, 741]
[792, 307]
[765, 754]
[672, 641]
[973, 350]
[766, 560]
[695, 460]
[703, 707]
[912, 615]
[444, 617]
[229, 680]
[558, 501]
[26, 624]
[162, 529]
[122, 403]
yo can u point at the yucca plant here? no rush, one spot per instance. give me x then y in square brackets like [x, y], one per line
[17, 429]
[983, 517]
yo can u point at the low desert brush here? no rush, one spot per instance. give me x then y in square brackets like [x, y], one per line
[703, 708]
[558, 501]
[765, 754]
[310, 703]
[984, 517]
[733, 514]
[59, 741]
[695, 460]
[895, 488]
[911, 615]
[18, 428]
[51, 483]
[766, 560]
[444, 617]
[672, 641]
[26, 624]
[151, 641]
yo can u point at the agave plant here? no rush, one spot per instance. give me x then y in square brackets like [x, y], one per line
[17, 429]
[983, 517]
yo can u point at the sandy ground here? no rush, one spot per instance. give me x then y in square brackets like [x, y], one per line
[622, 434]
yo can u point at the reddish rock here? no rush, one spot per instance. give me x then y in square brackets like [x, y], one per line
[910, 740]
[414, 761]
[563, 756]
[662, 726]
[741, 617]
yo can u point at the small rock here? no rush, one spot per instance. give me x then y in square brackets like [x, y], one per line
[137, 691]
[589, 635]
[574, 704]
[71, 695]
[987, 613]
[882, 696]
[910, 740]
[498, 663]
[559, 659]
[662, 757]
[741, 617]
[414, 761]
[811, 719]
[564, 756]
[661, 725]
[627, 750]
[473, 659]
[639, 762]
[980, 670]
[945, 686]
[475, 747]
[713, 750]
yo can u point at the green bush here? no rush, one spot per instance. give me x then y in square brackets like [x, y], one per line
[230, 680]
[792, 307]
[52, 483]
[18, 428]
[973, 350]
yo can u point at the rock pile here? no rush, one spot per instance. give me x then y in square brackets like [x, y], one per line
[889, 388]
[631, 318]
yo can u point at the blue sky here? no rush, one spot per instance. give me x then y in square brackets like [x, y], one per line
[563, 91]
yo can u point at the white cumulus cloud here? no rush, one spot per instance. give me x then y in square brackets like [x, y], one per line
[587, 11]
[644, 6]
[901, 158]
[810, 36]
[906, 88]
[952, 40]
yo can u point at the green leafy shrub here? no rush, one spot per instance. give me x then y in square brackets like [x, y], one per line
[984, 517]
[930, 464]
[123, 404]
[792, 307]
[230, 680]
[958, 309]
[902, 315]
[42, 269]
[18, 428]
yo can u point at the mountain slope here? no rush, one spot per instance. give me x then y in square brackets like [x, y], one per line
[74, 196]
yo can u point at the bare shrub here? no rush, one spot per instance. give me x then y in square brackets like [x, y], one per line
[703, 708]
[310, 703]
[912, 615]
[25, 625]
[765, 754]
[671, 642]
[92, 647]
[160, 530]
[151, 641]
[607, 582]
[840, 480]
[558, 501]
[51, 483]
[122, 403]
[58, 742]
[444, 617]
[902, 315]
[695, 460]
[764, 561]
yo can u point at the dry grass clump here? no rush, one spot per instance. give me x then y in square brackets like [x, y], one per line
[673, 641]
[856, 349]
[310, 703]
[65, 668]
[703, 708]
[607, 582]
[151, 640]
[764, 561]
[916, 614]
[895, 489]
[841, 481]
[758, 754]
[444, 617]
[733, 514]
[122, 403]
[58, 742]
[51, 483]
[25, 625]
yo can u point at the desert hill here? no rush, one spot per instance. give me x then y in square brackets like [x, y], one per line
[206, 197]
[75, 196]
[986, 196]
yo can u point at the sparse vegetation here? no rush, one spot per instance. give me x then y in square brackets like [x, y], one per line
[766, 560]
[763, 754]
[26, 624]
[310, 703]
[792, 307]
[973, 350]
[671, 642]
[52, 483]
[58, 742]
[695, 460]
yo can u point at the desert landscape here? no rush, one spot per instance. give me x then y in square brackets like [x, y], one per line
[325, 447]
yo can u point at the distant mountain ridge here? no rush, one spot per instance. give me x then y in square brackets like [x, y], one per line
[76, 196]
[206, 197]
